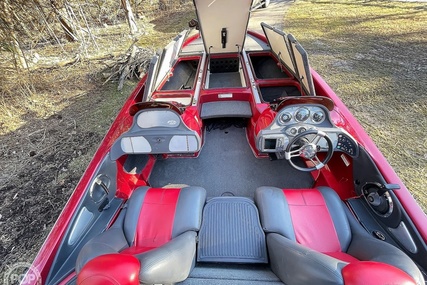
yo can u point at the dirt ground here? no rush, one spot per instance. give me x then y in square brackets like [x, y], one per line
[41, 163]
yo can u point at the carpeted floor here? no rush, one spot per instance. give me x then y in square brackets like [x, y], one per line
[227, 166]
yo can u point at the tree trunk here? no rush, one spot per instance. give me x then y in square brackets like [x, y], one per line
[129, 16]
[66, 27]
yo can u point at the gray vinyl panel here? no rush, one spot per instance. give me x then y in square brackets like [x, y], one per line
[226, 164]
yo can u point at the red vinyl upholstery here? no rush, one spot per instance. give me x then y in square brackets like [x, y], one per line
[312, 238]
[155, 220]
[116, 269]
[374, 273]
[153, 239]
[308, 208]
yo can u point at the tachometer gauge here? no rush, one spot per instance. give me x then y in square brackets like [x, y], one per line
[285, 118]
[302, 114]
[318, 116]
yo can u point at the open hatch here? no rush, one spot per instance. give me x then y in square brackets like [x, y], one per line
[224, 37]
[292, 55]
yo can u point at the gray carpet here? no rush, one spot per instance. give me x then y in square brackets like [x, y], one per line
[270, 93]
[227, 166]
[225, 80]
[222, 274]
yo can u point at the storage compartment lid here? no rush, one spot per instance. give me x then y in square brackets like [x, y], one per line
[278, 43]
[223, 24]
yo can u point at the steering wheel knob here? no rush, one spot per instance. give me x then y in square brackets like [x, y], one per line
[308, 150]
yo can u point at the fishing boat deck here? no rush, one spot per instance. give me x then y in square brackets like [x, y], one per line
[227, 166]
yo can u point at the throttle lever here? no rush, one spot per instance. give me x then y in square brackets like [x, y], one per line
[388, 187]
[379, 188]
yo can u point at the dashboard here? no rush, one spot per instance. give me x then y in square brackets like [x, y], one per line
[296, 119]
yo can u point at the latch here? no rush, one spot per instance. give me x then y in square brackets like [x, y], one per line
[224, 37]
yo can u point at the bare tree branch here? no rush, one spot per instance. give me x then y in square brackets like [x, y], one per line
[129, 17]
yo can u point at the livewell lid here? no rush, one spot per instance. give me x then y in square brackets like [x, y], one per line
[223, 24]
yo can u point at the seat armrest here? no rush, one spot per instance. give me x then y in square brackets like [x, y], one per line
[367, 248]
[374, 273]
[297, 264]
[110, 269]
[110, 241]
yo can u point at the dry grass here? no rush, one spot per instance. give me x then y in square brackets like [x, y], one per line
[57, 78]
[372, 53]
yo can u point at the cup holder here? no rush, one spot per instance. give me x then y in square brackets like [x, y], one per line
[99, 191]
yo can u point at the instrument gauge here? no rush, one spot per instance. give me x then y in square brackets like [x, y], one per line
[302, 114]
[285, 118]
[318, 116]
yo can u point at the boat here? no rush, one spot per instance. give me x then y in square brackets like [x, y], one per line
[233, 162]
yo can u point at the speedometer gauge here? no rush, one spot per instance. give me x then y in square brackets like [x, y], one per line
[302, 114]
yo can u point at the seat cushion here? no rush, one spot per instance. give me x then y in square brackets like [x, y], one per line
[312, 217]
[156, 218]
[156, 215]
[157, 227]
[311, 220]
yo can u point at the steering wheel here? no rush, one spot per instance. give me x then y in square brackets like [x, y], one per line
[302, 146]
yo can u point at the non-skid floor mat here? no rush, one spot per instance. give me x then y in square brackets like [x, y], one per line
[231, 232]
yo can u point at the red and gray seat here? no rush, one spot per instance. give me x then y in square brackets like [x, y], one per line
[153, 240]
[312, 238]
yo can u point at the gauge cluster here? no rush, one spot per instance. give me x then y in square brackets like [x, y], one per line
[301, 114]
[293, 120]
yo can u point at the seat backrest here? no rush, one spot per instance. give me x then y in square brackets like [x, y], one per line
[157, 215]
[311, 217]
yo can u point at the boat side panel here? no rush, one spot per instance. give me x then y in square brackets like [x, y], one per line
[350, 123]
[123, 121]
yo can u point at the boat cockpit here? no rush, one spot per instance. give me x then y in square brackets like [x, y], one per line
[231, 164]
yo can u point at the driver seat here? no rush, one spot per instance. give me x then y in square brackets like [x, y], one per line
[312, 238]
